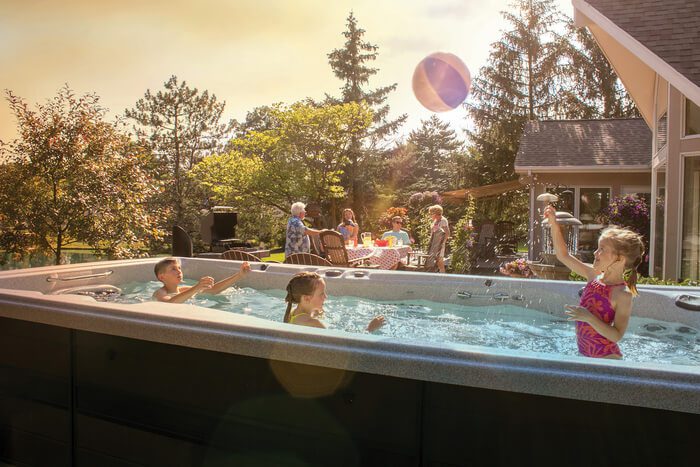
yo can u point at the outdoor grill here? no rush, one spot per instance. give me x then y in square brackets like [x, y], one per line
[218, 229]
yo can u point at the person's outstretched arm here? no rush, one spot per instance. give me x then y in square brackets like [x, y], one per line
[560, 249]
[229, 281]
[203, 284]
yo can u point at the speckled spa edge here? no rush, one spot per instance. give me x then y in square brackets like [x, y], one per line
[27, 295]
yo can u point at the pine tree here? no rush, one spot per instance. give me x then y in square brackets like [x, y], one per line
[538, 70]
[350, 64]
[595, 90]
[181, 126]
[435, 145]
[523, 81]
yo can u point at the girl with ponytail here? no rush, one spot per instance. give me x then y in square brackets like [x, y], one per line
[603, 314]
[307, 290]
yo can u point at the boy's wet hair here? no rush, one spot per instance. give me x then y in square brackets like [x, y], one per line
[630, 245]
[303, 283]
[163, 264]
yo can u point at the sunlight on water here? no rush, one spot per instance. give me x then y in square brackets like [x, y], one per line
[501, 326]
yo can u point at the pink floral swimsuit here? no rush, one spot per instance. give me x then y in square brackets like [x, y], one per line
[596, 299]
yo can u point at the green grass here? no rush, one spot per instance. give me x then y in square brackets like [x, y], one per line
[279, 257]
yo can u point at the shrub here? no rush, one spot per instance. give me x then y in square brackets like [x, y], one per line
[629, 211]
[384, 220]
[463, 240]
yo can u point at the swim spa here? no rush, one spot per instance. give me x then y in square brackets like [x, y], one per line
[85, 382]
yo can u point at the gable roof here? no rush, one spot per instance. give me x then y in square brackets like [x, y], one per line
[584, 145]
[668, 28]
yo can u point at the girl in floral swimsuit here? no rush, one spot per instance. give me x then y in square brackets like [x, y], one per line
[606, 303]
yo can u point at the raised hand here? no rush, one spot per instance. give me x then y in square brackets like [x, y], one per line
[578, 313]
[550, 213]
[205, 283]
[376, 323]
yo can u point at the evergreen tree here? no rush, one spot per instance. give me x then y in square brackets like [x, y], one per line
[595, 91]
[538, 70]
[435, 146]
[350, 64]
[523, 81]
[181, 126]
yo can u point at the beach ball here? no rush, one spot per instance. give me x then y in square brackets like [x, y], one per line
[441, 82]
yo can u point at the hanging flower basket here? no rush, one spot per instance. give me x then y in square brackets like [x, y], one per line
[517, 268]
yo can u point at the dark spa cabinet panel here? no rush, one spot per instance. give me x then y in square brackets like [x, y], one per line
[35, 394]
[74, 398]
[141, 403]
[470, 426]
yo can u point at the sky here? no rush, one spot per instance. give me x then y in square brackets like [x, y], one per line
[247, 52]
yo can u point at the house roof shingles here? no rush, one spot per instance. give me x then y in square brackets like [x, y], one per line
[585, 143]
[668, 28]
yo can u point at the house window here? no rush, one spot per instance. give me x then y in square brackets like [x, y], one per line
[592, 201]
[642, 192]
[692, 118]
[659, 222]
[588, 204]
[661, 132]
[690, 249]
[566, 198]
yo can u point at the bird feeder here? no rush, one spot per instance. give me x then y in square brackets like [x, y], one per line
[569, 229]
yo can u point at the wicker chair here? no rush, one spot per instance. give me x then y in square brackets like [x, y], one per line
[239, 255]
[308, 259]
[334, 246]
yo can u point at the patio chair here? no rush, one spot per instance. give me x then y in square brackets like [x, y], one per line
[427, 262]
[239, 255]
[334, 246]
[182, 243]
[486, 242]
[506, 238]
[315, 244]
[308, 259]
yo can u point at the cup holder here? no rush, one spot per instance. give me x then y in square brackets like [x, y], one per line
[333, 273]
[360, 273]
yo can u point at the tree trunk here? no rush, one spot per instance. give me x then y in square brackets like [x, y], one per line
[59, 244]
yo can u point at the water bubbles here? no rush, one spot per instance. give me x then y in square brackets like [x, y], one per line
[501, 325]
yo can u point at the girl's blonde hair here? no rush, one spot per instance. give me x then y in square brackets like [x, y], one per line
[435, 209]
[630, 245]
[303, 283]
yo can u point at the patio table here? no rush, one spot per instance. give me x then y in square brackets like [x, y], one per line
[386, 257]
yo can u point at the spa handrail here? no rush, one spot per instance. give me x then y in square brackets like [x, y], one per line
[75, 278]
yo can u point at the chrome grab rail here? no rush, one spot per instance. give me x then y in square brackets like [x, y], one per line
[76, 278]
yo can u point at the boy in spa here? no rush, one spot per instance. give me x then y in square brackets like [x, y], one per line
[169, 272]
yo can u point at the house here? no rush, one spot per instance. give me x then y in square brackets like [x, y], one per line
[654, 47]
[586, 163]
